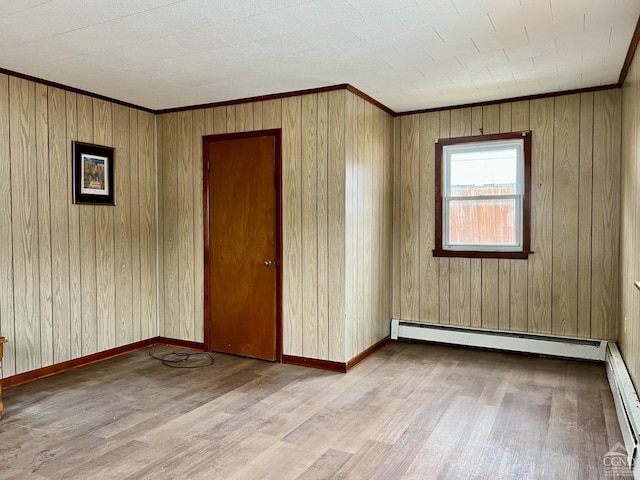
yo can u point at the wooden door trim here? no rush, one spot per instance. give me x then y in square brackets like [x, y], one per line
[206, 140]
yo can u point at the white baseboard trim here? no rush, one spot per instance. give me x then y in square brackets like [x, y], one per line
[509, 341]
[627, 405]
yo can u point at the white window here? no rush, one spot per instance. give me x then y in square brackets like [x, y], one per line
[483, 196]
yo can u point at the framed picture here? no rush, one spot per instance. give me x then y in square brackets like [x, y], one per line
[93, 174]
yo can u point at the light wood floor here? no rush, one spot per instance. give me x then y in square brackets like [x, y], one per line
[409, 411]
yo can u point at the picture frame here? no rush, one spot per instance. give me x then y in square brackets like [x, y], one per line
[93, 174]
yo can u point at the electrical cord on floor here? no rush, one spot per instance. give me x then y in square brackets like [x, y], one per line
[178, 359]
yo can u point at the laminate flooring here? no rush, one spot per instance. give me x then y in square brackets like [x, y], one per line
[410, 411]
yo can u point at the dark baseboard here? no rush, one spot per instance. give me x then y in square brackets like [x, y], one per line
[179, 343]
[334, 366]
[372, 349]
[76, 362]
[315, 363]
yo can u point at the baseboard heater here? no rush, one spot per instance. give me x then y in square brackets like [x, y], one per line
[509, 341]
[627, 410]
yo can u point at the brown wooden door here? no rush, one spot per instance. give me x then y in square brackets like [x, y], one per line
[242, 246]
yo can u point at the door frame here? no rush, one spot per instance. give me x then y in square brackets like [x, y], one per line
[277, 134]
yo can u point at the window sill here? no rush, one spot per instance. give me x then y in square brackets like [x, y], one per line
[482, 254]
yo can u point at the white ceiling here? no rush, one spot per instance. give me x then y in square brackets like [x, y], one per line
[407, 54]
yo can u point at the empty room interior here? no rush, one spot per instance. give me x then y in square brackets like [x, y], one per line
[304, 239]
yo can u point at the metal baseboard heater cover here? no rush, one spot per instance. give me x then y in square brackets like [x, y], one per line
[509, 341]
[627, 405]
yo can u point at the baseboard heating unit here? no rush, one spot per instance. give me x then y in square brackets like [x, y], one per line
[627, 410]
[509, 341]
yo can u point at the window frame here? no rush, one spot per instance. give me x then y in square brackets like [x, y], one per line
[520, 252]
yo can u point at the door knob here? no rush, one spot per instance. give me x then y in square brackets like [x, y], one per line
[267, 263]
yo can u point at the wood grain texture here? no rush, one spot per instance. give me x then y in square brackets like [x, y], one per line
[60, 198]
[409, 211]
[322, 192]
[7, 324]
[134, 206]
[25, 225]
[429, 133]
[105, 244]
[44, 222]
[186, 206]
[198, 124]
[75, 288]
[540, 264]
[351, 221]
[585, 202]
[336, 171]
[605, 214]
[87, 227]
[147, 201]
[292, 225]
[309, 232]
[407, 411]
[566, 162]
[124, 285]
[628, 319]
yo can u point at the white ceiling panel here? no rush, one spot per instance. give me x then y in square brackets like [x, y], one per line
[408, 54]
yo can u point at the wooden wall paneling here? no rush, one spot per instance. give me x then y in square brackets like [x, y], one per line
[171, 248]
[136, 335]
[309, 232]
[605, 224]
[336, 171]
[186, 158]
[367, 315]
[429, 131]
[105, 244]
[7, 325]
[124, 285]
[584, 214]
[566, 164]
[389, 205]
[443, 283]
[219, 120]
[88, 273]
[372, 199]
[45, 286]
[492, 122]
[322, 187]
[540, 263]
[161, 155]
[475, 282]
[360, 187]
[198, 125]
[504, 266]
[460, 268]
[351, 221]
[231, 118]
[25, 225]
[75, 287]
[146, 127]
[59, 197]
[244, 117]
[208, 121]
[292, 225]
[257, 115]
[519, 287]
[272, 113]
[410, 212]
[396, 284]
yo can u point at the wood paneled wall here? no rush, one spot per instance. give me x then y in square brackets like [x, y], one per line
[369, 232]
[316, 131]
[629, 318]
[568, 287]
[74, 279]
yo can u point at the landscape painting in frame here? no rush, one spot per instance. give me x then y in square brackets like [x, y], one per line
[93, 174]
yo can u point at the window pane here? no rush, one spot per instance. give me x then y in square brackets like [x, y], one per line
[484, 172]
[483, 222]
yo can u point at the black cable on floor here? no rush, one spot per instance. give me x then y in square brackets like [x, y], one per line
[178, 359]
